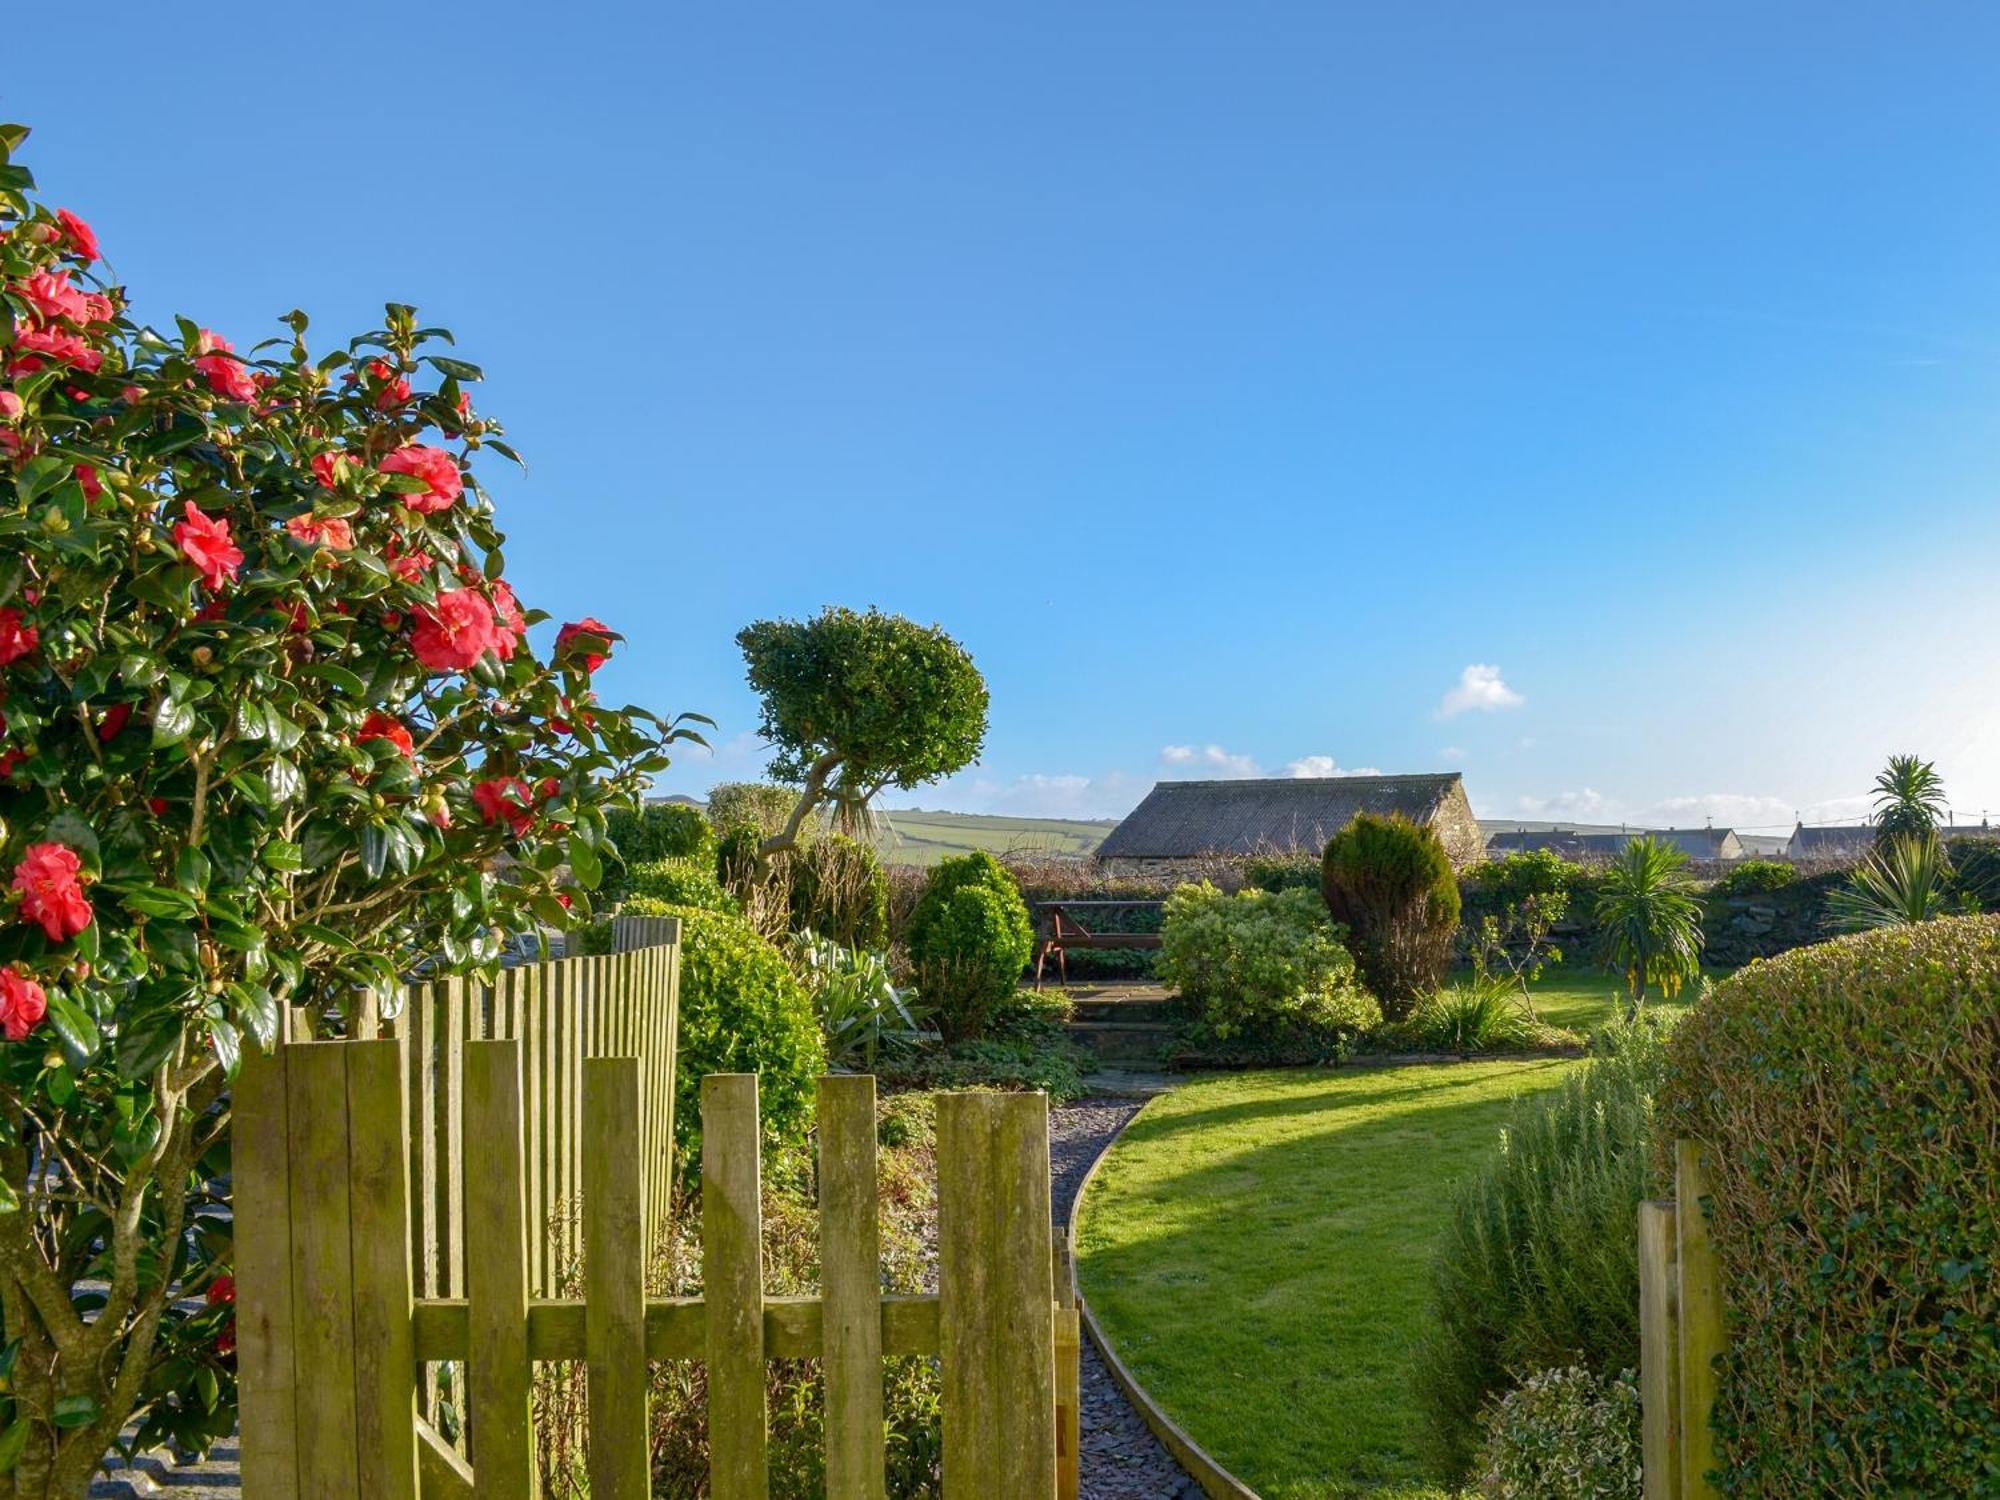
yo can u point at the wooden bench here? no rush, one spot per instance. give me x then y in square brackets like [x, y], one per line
[1062, 930]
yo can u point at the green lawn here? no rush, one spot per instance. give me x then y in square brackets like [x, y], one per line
[924, 838]
[1257, 1247]
[1585, 998]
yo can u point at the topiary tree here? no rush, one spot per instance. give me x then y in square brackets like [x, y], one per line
[741, 1011]
[273, 732]
[839, 892]
[1649, 920]
[1847, 1104]
[856, 703]
[969, 937]
[1389, 882]
[754, 806]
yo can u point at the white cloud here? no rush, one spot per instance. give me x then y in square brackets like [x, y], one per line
[1452, 754]
[1480, 688]
[1209, 760]
[1585, 805]
[1324, 765]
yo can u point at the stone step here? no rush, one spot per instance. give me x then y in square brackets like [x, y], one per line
[1122, 1041]
[1111, 1008]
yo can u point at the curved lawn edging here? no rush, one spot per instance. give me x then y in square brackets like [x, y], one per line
[1216, 1482]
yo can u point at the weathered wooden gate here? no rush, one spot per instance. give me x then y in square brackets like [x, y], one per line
[332, 1330]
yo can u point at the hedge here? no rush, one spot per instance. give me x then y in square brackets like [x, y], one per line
[1848, 1099]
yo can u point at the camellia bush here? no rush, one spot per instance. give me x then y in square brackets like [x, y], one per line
[273, 734]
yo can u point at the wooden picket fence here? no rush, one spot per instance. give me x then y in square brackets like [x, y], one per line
[563, 1012]
[332, 1326]
[1680, 1335]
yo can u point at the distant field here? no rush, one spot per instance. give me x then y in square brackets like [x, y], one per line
[924, 838]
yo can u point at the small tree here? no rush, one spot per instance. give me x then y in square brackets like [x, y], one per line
[273, 733]
[1389, 882]
[1909, 799]
[1651, 921]
[856, 703]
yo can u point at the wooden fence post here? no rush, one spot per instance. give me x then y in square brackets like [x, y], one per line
[996, 1296]
[262, 1195]
[732, 1258]
[850, 1287]
[1700, 1309]
[375, 1121]
[614, 1249]
[1659, 1352]
[500, 1378]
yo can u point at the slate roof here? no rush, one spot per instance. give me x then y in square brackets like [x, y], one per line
[1695, 843]
[1182, 819]
[1832, 841]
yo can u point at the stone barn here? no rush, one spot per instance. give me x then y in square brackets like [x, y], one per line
[1183, 824]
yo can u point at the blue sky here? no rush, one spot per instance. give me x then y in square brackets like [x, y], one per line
[1602, 400]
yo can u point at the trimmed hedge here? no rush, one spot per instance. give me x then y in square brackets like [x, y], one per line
[741, 1011]
[657, 831]
[1849, 1100]
[681, 882]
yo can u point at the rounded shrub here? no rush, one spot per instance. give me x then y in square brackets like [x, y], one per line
[1754, 877]
[1264, 973]
[1538, 1264]
[969, 938]
[1389, 882]
[839, 892]
[741, 1011]
[1564, 1435]
[681, 882]
[1848, 1103]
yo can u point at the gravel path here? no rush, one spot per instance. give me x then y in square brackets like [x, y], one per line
[1122, 1460]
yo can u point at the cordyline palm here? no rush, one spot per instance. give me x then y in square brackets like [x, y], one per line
[1906, 880]
[1651, 921]
[1909, 799]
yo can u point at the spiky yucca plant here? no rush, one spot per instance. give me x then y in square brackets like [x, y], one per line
[1651, 921]
[1906, 880]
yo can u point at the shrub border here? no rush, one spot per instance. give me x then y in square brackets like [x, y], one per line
[1216, 1482]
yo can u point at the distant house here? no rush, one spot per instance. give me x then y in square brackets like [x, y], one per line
[1831, 842]
[1716, 845]
[1184, 822]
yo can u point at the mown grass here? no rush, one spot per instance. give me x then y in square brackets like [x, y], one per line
[1258, 1248]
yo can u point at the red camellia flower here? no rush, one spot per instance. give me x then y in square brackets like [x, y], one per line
[87, 477]
[380, 726]
[17, 639]
[222, 1290]
[436, 468]
[51, 893]
[592, 660]
[10, 407]
[23, 1003]
[204, 541]
[505, 797]
[452, 634]
[227, 375]
[326, 468]
[114, 721]
[79, 236]
[34, 347]
[335, 533]
[50, 294]
[225, 1341]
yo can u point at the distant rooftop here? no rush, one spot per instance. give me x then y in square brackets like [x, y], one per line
[1181, 819]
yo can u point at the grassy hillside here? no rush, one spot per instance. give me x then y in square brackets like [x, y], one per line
[924, 838]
